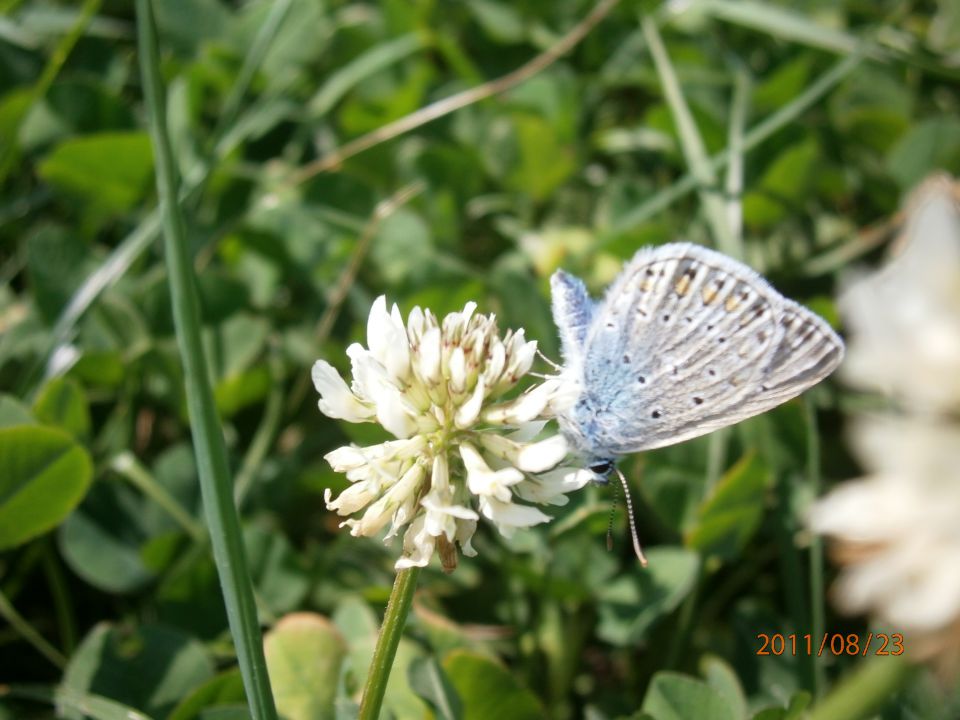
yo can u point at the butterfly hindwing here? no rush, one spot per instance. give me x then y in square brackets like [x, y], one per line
[573, 311]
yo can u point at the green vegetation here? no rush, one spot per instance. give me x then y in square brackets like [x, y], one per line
[314, 172]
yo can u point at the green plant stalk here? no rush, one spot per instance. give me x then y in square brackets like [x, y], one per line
[694, 149]
[861, 693]
[398, 606]
[265, 433]
[757, 134]
[215, 486]
[817, 611]
[127, 465]
[733, 184]
[122, 257]
[19, 623]
[60, 593]
[54, 64]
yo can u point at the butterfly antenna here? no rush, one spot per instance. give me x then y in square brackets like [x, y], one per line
[613, 509]
[549, 362]
[633, 524]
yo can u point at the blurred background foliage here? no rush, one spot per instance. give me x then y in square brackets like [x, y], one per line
[826, 111]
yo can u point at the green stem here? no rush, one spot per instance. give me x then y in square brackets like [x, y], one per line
[8, 155]
[215, 485]
[758, 133]
[60, 592]
[127, 465]
[265, 434]
[19, 623]
[862, 693]
[394, 618]
[817, 612]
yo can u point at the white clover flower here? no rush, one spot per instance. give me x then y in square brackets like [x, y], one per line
[904, 320]
[897, 530]
[461, 450]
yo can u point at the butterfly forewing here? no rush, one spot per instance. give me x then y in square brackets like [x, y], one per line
[808, 351]
[686, 341]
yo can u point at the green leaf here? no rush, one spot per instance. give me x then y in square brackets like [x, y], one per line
[544, 160]
[72, 703]
[222, 691]
[630, 605]
[432, 684]
[150, 668]
[242, 389]
[787, 179]
[14, 412]
[63, 403]
[796, 709]
[276, 569]
[943, 32]
[45, 475]
[57, 261]
[102, 540]
[730, 516]
[499, 20]
[672, 696]
[403, 248]
[304, 653]
[488, 689]
[358, 624]
[110, 171]
[355, 72]
[723, 679]
[929, 145]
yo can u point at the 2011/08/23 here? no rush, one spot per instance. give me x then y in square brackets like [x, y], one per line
[835, 643]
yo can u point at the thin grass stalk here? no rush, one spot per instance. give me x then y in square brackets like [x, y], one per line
[127, 465]
[55, 63]
[733, 184]
[691, 142]
[818, 677]
[757, 134]
[217, 492]
[60, 594]
[398, 607]
[23, 628]
[137, 241]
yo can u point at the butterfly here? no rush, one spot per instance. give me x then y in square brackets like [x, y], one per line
[685, 341]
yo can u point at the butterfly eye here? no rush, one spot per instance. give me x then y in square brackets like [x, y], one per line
[602, 468]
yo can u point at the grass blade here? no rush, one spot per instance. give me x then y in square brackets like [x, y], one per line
[225, 537]
[734, 182]
[355, 72]
[134, 244]
[782, 23]
[760, 132]
[691, 141]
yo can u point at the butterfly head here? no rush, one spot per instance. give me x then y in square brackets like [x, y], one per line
[601, 468]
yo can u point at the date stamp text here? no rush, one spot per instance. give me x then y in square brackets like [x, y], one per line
[830, 643]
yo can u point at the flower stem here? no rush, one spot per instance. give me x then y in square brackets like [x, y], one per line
[211, 454]
[394, 618]
[862, 693]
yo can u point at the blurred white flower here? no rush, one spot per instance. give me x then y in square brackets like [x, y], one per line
[435, 387]
[904, 320]
[897, 531]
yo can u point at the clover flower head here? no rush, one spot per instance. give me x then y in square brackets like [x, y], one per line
[905, 318]
[461, 450]
[896, 531]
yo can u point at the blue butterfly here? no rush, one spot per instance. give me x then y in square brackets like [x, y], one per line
[685, 341]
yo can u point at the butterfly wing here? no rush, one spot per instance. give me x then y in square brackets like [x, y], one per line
[573, 311]
[686, 341]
